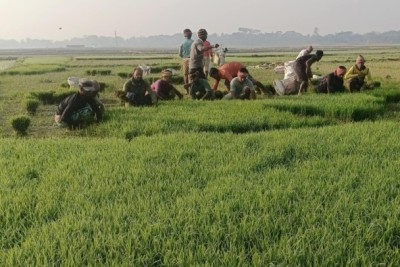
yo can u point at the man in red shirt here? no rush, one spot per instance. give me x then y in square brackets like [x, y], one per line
[208, 54]
[228, 71]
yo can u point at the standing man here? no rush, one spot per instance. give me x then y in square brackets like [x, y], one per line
[208, 55]
[184, 53]
[196, 62]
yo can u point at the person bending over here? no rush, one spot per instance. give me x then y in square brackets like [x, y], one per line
[82, 108]
[241, 87]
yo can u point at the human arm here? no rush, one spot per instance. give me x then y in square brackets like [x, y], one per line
[152, 94]
[177, 92]
[180, 51]
[97, 107]
[67, 107]
[208, 89]
[202, 48]
[309, 62]
[215, 85]
[248, 91]
[329, 83]
[350, 74]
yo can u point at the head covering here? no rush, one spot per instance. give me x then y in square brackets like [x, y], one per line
[360, 59]
[88, 85]
[202, 33]
[166, 73]
[319, 53]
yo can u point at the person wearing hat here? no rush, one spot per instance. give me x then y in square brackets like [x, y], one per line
[81, 108]
[302, 68]
[184, 53]
[333, 82]
[137, 91]
[357, 76]
[163, 87]
[196, 63]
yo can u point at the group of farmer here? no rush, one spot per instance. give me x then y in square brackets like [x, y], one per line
[84, 106]
[298, 74]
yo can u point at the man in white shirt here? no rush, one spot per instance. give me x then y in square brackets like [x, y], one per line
[305, 52]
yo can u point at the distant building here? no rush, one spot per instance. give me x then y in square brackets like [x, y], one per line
[75, 46]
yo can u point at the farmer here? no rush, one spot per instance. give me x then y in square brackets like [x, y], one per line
[357, 76]
[197, 50]
[228, 71]
[305, 51]
[199, 88]
[208, 55]
[163, 87]
[333, 82]
[137, 92]
[81, 108]
[302, 68]
[184, 53]
[241, 87]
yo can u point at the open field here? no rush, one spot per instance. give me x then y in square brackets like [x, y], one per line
[281, 181]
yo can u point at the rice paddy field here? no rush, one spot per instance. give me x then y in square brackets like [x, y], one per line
[309, 180]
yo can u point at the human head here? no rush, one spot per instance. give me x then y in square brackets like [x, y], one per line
[360, 61]
[194, 76]
[202, 34]
[187, 33]
[166, 74]
[214, 73]
[309, 49]
[242, 74]
[319, 54]
[88, 88]
[340, 71]
[137, 74]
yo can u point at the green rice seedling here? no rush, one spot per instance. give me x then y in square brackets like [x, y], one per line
[123, 75]
[345, 107]
[32, 70]
[31, 105]
[311, 196]
[45, 98]
[20, 124]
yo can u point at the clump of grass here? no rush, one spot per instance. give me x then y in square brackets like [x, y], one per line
[31, 105]
[99, 72]
[123, 75]
[51, 97]
[20, 124]
[45, 97]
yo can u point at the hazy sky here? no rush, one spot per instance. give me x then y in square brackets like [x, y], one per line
[65, 19]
